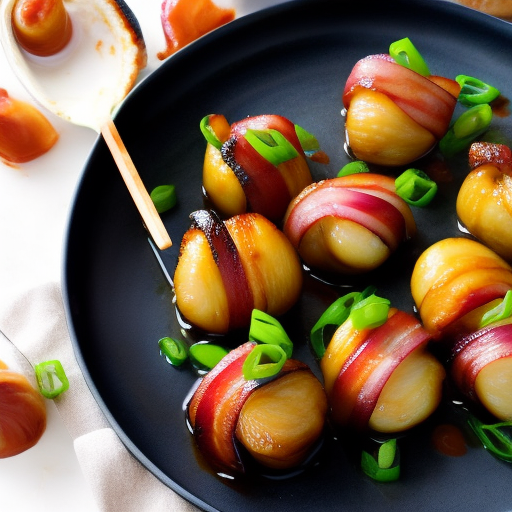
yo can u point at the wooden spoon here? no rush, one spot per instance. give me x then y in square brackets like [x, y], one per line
[86, 81]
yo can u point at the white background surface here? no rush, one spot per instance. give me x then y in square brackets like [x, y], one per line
[35, 200]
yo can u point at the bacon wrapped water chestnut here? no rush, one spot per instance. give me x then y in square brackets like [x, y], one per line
[378, 372]
[257, 164]
[396, 111]
[454, 282]
[277, 420]
[484, 201]
[350, 224]
[482, 366]
[226, 269]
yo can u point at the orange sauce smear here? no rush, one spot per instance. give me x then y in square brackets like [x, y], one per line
[449, 440]
[184, 21]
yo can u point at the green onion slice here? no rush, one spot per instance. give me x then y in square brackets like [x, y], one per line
[208, 132]
[415, 187]
[308, 141]
[174, 350]
[334, 316]
[496, 438]
[266, 329]
[272, 145]
[264, 361]
[406, 54]
[205, 356]
[164, 197]
[502, 311]
[353, 168]
[474, 91]
[466, 128]
[51, 378]
[384, 465]
[369, 312]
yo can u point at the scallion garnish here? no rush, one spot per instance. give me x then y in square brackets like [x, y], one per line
[474, 91]
[164, 197]
[500, 312]
[415, 187]
[264, 361]
[272, 145]
[496, 438]
[334, 316]
[51, 378]
[266, 329]
[308, 141]
[174, 350]
[205, 356]
[384, 465]
[209, 133]
[353, 168]
[466, 128]
[369, 312]
[406, 54]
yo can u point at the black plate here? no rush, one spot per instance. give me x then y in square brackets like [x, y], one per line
[292, 60]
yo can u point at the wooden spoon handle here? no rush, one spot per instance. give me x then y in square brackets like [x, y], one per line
[135, 186]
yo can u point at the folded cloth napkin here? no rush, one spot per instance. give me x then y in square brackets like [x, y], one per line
[35, 322]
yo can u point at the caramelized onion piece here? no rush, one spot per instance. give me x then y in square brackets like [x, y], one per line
[25, 133]
[22, 414]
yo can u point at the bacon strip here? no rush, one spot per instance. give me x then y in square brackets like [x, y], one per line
[227, 258]
[430, 105]
[324, 199]
[364, 374]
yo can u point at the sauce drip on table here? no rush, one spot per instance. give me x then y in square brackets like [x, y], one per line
[184, 21]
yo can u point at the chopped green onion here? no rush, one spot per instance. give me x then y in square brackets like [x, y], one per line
[353, 168]
[475, 92]
[308, 141]
[500, 312]
[208, 132]
[415, 187]
[466, 128]
[384, 466]
[205, 356]
[334, 315]
[164, 197]
[266, 329]
[406, 54]
[271, 145]
[370, 312]
[264, 361]
[496, 438]
[51, 378]
[174, 350]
